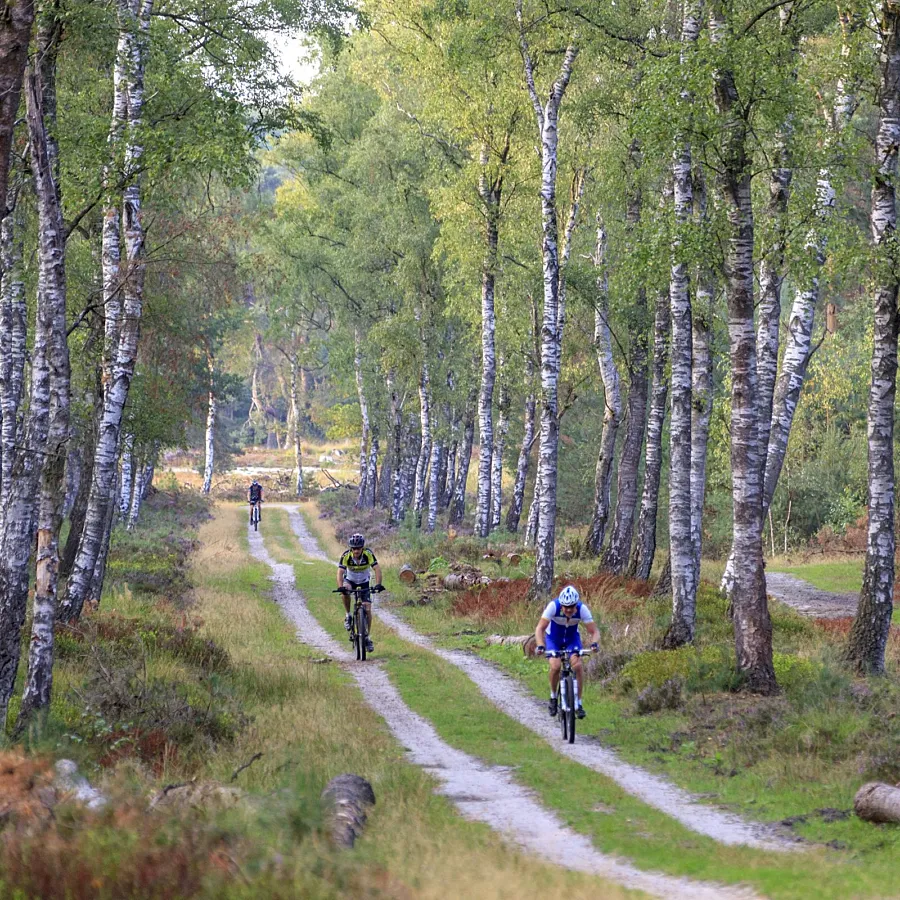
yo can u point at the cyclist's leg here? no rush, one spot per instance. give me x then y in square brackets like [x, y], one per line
[555, 667]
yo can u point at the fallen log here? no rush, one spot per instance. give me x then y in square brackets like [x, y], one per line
[346, 799]
[514, 558]
[407, 575]
[507, 640]
[877, 802]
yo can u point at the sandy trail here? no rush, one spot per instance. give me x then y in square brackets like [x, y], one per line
[808, 599]
[507, 694]
[481, 792]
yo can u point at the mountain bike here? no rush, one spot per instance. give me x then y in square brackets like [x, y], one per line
[254, 514]
[566, 694]
[359, 625]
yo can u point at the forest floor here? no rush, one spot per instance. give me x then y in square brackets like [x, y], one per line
[809, 600]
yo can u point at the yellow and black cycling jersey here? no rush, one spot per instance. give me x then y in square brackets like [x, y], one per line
[357, 570]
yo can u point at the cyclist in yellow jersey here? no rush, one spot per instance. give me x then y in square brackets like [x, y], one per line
[354, 569]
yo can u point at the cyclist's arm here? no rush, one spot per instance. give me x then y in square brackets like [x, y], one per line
[377, 569]
[593, 632]
[340, 574]
[539, 632]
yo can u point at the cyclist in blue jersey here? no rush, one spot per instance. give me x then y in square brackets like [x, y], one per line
[557, 633]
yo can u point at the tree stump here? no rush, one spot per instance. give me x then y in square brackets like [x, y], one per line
[877, 802]
[514, 558]
[346, 799]
[407, 575]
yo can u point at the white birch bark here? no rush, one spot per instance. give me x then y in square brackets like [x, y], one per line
[127, 466]
[702, 402]
[681, 547]
[134, 21]
[490, 194]
[137, 496]
[397, 469]
[212, 410]
[295, 424]
[645, 540]
[364, 414]
[425, 446]
[464, 456]
[547, 116]
[514, 513]
[752, 625]
[52, 296]
[13, 333]
[499, 446]
[372, 470]
[434, 489]
[612, 398]
[872, 623]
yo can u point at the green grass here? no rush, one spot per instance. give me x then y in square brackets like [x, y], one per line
[464, 719]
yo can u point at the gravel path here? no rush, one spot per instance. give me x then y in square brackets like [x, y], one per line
[507, 694]
[808, 599]
[481, 792]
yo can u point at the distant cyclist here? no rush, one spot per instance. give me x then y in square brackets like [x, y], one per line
[559, 623]
[255, 496]
[355, 568]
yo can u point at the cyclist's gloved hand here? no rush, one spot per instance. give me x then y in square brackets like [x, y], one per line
[378, 588]
[344, 589]
[540, 650]
[595, 646]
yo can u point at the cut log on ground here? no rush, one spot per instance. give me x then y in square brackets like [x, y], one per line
[347, 798]
[407, 575]
[878, 802]
[507, 640]
[514, 558]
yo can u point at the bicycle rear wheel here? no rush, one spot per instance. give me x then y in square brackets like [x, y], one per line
[570, 708]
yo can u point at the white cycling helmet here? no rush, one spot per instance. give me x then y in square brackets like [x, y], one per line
[569, 596]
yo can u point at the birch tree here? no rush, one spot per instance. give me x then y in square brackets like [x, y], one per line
[547, 117]
[752, 625]
[872, 623]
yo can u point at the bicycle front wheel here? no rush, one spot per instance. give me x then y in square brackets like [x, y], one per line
[362, 632]
[570, 708]
[561, 712]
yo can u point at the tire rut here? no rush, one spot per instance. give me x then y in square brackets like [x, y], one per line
[508, 695]
[480, 792]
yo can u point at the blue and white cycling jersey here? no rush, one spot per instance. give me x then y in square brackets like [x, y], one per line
[563, 631]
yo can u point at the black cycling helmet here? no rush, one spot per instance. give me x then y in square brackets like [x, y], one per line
[357, 542]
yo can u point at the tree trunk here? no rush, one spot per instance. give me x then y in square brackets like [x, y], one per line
[458, 506]
[752, 625]
[547, 115]
[123, 332]
[701, 407]
[52, 293]
[295, 423]
[434, 490]
[872, 623]
[127, 474]
[616, 557]
[497, 458]
[13, 332]
[514, 513]
[372, 471]
[364, 413]
[876, 802]
[681, 547]
[15, 35]
[645, 541]
[137, 495]
[425, 447]
[612, 399]
[490, 194]
[397, 468]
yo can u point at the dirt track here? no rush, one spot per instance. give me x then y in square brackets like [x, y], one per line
[508, 695]
[481, 792]
[809, 600]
